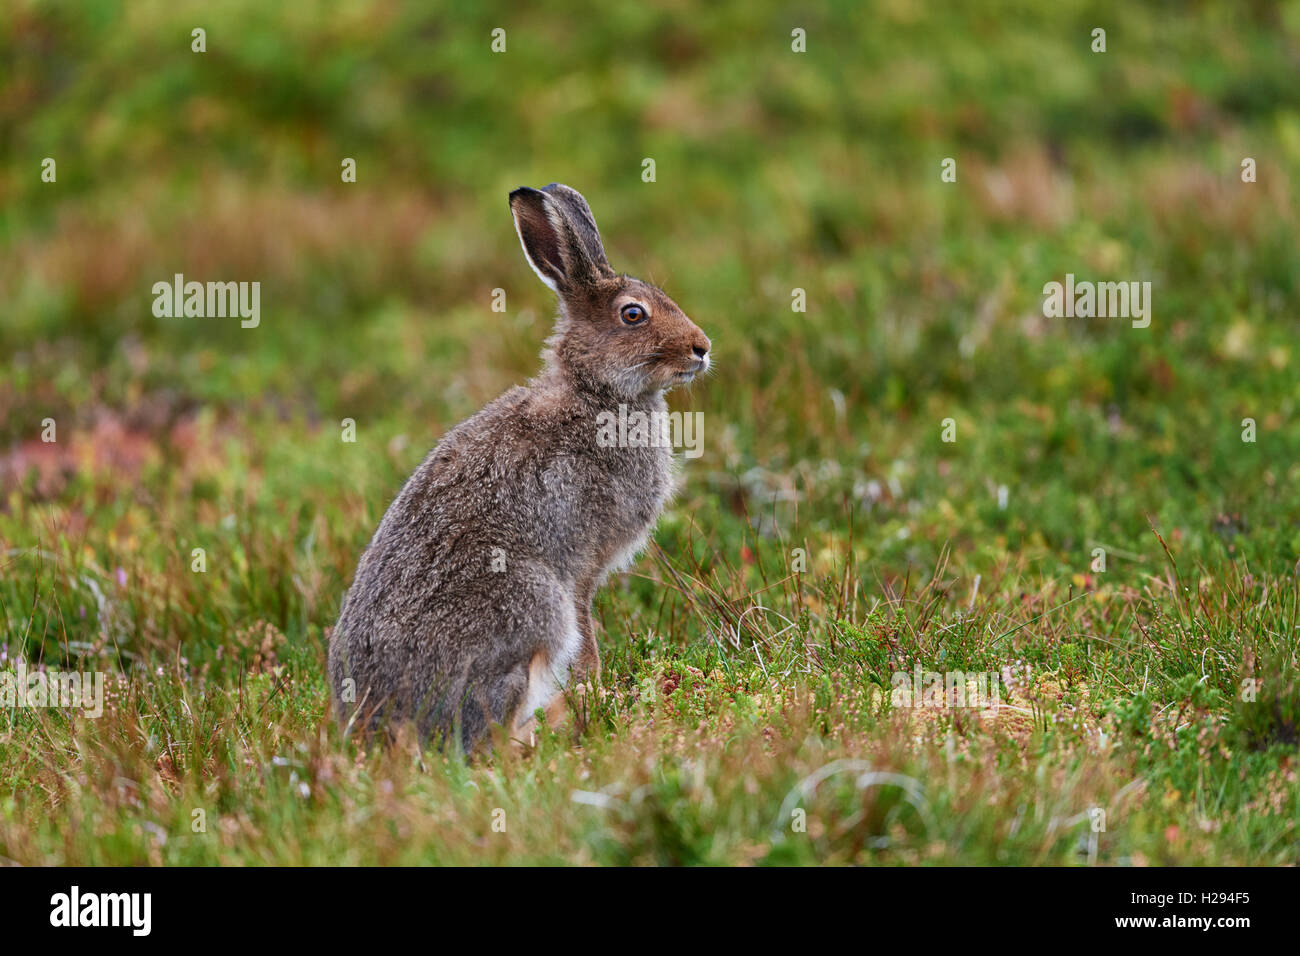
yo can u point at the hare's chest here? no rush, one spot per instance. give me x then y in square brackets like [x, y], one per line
[643, 488]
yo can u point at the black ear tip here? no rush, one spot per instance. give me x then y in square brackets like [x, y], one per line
[522, 192]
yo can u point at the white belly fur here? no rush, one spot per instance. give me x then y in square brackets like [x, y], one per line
[623, 559]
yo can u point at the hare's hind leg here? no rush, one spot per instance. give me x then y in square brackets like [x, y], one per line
[549, 671]
[493, 702]
[545, 693]
[541, 674]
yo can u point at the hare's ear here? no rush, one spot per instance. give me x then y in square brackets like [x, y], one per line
[578, 213]
[559, 250]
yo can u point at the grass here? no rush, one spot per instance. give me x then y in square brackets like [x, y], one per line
[828, 539]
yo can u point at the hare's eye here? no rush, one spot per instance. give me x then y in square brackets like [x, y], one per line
[633, 314]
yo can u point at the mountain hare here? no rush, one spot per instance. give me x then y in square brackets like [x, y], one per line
[472, 603]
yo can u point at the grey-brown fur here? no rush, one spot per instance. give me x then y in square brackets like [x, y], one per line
[430, 632]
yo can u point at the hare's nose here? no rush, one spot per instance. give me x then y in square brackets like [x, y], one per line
[700, 350]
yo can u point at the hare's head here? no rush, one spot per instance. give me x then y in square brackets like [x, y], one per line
[615, 332]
